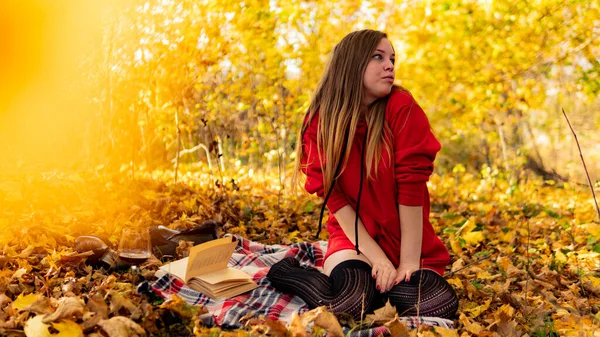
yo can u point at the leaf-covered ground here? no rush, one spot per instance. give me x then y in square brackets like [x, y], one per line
[525, 256]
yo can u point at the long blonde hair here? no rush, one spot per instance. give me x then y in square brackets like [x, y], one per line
[338, 100]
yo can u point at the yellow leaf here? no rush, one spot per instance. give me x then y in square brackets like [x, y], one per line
[508, 267]
[472, 327]
[504, 313]
[382, 315]
[456, 282]
[455, 245]
[24, 302]
[66, 328]
[476, 311]
[327, 320]
[397, 328]
[592, 284]
[296, 327]
[466, 232]
[443, 332]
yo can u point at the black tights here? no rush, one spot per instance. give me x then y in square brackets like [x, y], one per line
[351, 289]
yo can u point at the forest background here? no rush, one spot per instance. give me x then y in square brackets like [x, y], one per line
[212, 93]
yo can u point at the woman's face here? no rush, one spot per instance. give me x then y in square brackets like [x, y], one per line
[379, 75]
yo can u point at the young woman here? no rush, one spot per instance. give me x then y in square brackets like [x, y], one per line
[366, 147]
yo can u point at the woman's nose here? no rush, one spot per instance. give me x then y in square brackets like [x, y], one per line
[389, 66]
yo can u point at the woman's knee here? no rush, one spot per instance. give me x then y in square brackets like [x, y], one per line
[425, 294]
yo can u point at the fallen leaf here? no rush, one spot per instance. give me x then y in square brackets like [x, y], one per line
[504, 313]
[472, 327]
[26, 252]
[43, 305]
[467, 232]
[456, 282]
[34, 327]
[328, 321]
[507, 266]
[458, 264]
[68, 307]
[397, 328]
[97, 305]
[591, 284]
[24, 302]
[508, 329]
[4, 300]
[118, 302]
[178, 305]
[455, 245]
[443, 332]
[275, 328]
[297, 328]
[324, 319]
[120, 326]
[382, 315]
[478, 310]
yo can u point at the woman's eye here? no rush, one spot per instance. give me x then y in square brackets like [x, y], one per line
[377, 56]
[393, 61]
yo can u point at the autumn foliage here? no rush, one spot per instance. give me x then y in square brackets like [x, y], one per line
[135, 113]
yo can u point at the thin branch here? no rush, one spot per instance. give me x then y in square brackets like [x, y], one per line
[583, 161]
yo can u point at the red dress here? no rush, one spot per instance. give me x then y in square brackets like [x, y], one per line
[403, 181]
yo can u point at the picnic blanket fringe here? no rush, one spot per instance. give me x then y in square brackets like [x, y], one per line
[255, 259]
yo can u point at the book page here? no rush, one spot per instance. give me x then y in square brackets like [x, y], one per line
[209, 257]
[176, 268]
[228, 274]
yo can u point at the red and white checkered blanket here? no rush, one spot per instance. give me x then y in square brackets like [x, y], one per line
[256, 259]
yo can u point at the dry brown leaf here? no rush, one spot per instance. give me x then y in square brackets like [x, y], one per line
[328, 321]
[68, 307]
[43, 305]
[120, 326]
[117, 302]
[397, 328]
[591, 284]
[297, 328]
[458, 264]
[508, 329]
[275, 328]
[97, 305]
[108, 283]
[324, 319]
[4, 300]
[504, 313]
[34, 327]
[507, 266]
[18, 273]
[26, 252]
[382, 315]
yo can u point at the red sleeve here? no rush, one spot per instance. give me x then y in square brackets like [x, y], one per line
[415, 148]
[311, 166]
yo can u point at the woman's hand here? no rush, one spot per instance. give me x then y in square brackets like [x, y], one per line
[404, 272]
[385, 273]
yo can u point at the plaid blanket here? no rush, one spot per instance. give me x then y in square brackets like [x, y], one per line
[255, 259]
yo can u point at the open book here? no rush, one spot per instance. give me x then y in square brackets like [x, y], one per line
[206, 271]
